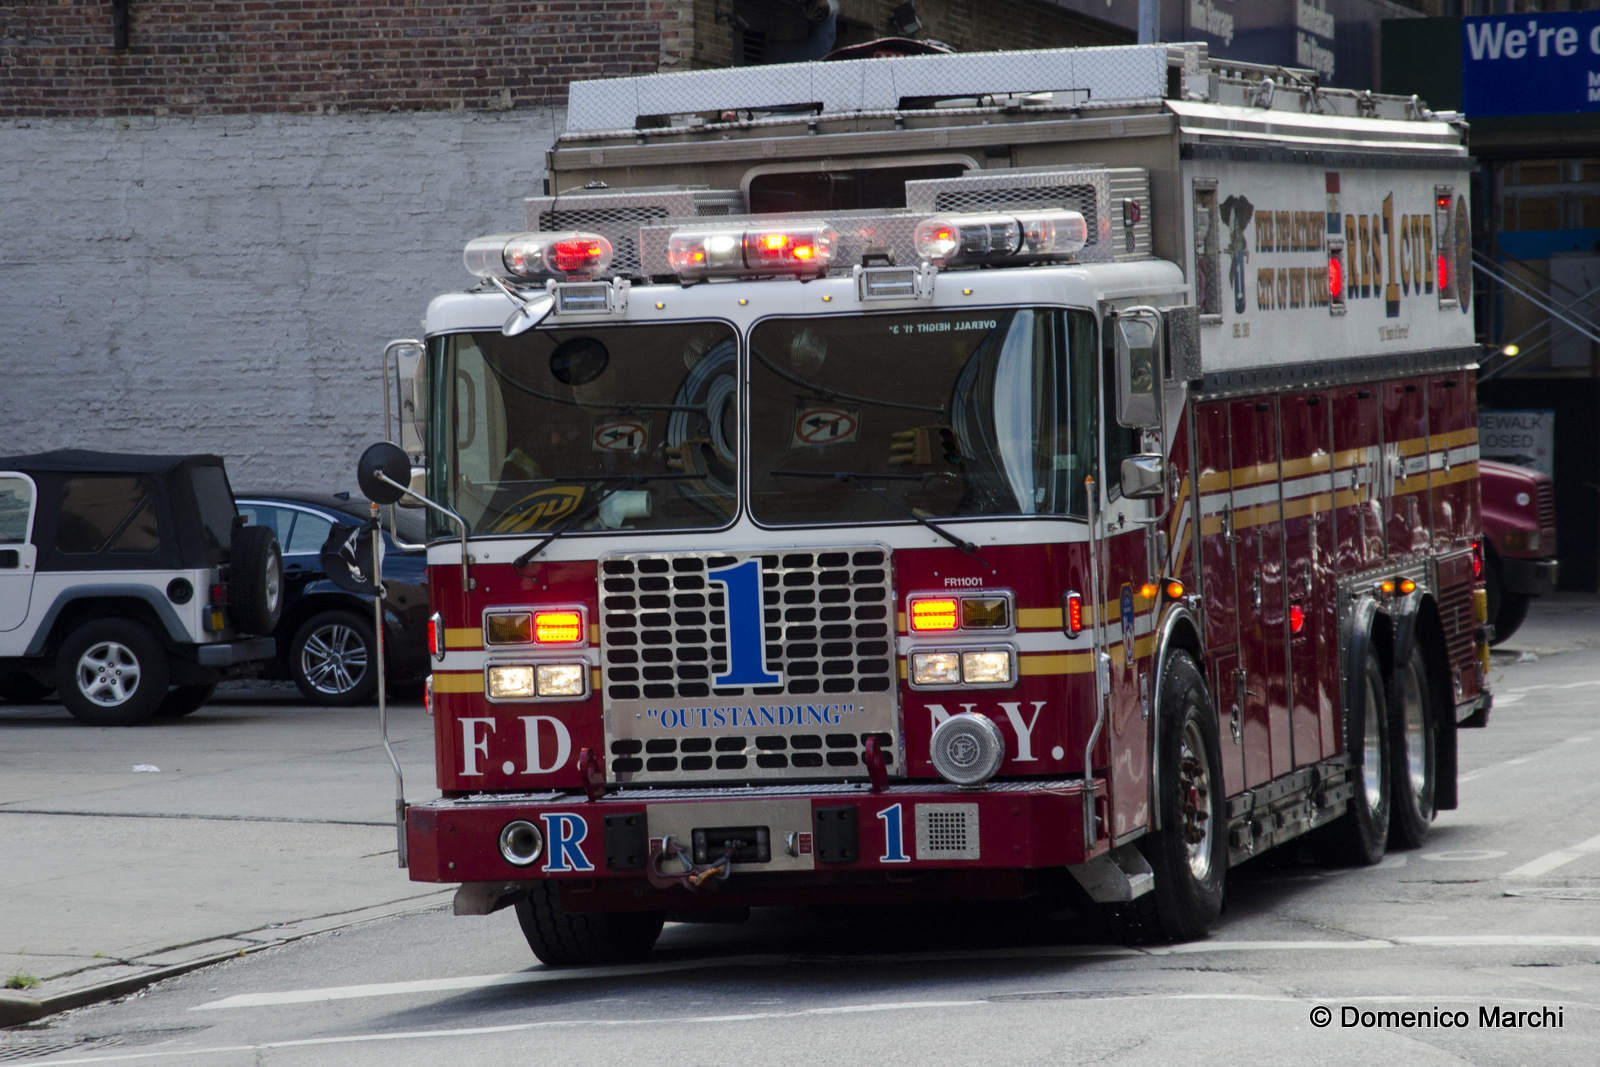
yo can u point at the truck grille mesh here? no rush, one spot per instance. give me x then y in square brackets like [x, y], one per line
[828, 633]
[1547, 506]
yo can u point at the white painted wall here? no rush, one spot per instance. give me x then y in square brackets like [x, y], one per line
[226, 284]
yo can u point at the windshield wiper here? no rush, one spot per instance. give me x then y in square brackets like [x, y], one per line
[628, 480]
[854, 477]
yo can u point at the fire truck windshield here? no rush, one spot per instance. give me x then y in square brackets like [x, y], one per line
[537, 432]
[958, 414]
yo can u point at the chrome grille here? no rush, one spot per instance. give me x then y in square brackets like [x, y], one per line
[1547, 506]
[827, 633]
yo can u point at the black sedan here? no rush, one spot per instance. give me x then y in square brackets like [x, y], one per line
[325, 638]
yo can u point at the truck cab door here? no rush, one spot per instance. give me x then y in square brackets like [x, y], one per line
[18, 556]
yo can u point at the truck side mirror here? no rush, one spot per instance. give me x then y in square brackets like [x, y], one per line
[1138, 369]
[1143, 475]
[389, 460]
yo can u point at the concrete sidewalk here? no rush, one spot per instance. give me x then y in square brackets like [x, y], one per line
[266, 821]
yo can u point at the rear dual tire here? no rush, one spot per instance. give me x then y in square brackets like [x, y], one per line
[1413, 752]
[1359, 837]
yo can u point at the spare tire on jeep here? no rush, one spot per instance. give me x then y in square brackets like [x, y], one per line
[255, 580]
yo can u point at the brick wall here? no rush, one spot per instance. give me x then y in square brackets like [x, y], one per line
[201, 57]
[227, 283]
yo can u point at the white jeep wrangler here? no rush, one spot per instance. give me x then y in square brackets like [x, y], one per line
[129, 584]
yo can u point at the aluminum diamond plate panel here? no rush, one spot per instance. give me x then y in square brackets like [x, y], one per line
[1091, 75]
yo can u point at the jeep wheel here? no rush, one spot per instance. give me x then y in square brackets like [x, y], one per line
[333, 659]
[184, 700]
[255, 580]
[111, 672]
[21, 688]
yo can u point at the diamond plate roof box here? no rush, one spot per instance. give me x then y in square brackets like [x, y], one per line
[1099, 75]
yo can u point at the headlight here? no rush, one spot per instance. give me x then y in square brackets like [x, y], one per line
[561, 679]
[511, 683]
[986, 668]
[936, 668]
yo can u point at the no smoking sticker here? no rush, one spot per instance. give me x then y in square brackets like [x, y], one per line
[621, 435]
[825, 426]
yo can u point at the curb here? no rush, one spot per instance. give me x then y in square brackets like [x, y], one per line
[17, 1008]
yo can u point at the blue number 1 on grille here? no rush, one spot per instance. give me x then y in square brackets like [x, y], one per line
[747, 646]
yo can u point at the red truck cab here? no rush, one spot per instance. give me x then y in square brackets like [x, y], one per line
[1519, 531]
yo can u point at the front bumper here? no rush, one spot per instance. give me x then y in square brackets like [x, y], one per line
[818, 835]
[1529, 577]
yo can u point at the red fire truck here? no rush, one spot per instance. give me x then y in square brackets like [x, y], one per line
[941, 477]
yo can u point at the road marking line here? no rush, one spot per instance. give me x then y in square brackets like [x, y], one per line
[998, 1000]
[486, 981]
[1551, 860]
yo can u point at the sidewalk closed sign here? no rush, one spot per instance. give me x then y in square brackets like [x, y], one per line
[1536, 63]
[1526, 438]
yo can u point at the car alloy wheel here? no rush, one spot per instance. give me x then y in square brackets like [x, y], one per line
[334, 659]
[108, 673]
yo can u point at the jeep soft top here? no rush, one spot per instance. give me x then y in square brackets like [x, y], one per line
[125, 576]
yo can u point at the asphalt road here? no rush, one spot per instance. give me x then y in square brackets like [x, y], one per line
[1499, 913]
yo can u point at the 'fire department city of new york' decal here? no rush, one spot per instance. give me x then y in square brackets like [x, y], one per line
[744, 693]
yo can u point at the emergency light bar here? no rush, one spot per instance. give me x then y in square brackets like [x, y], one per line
[536, 256]
[988, 237]
[793, 248]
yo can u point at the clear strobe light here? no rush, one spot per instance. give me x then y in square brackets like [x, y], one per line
[531, 256]
[988, 237]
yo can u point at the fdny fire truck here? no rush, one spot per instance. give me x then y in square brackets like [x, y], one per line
[945, 477]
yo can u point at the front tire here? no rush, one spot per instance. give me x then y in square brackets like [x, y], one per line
[1189, 854]
[111, 672]
[1412, 746]
[1359, 837]
[567, 939]
[334, 659]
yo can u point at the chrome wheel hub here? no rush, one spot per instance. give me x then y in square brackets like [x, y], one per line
[1194, 797]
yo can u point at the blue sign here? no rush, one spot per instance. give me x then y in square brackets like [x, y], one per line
[1532, 64]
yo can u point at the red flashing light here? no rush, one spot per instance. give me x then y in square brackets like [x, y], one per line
[219, 594]
[435, 636]
[1074, 618]
[1477, 559]
[557, 627]
[578, 254]
[1444, 273]
[1335, 277]
[938, 614]
[1297, 619]
[1442, 202]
